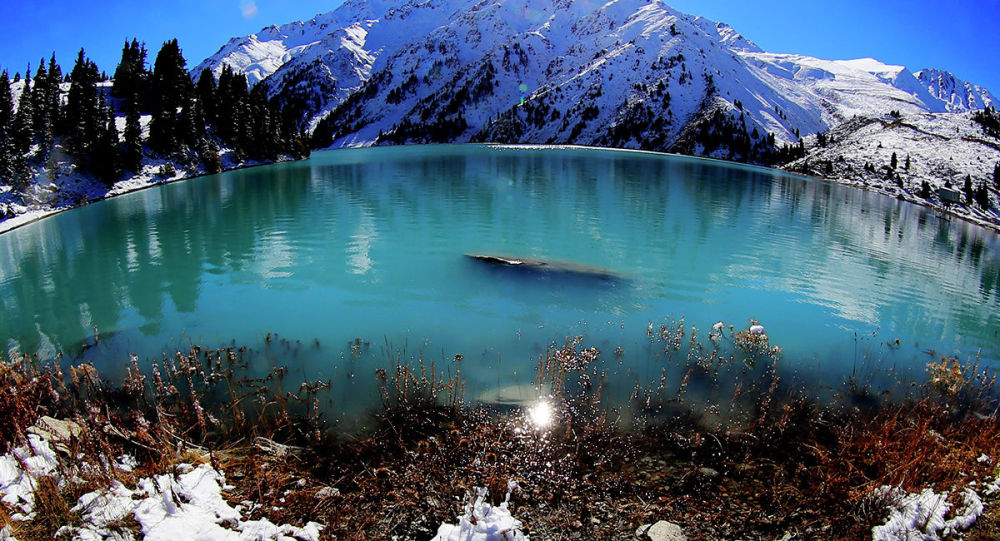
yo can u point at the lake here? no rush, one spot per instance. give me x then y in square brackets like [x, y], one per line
[334, 264]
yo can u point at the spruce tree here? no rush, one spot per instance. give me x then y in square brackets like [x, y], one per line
[170, 88]
[54, 107]
[133, 139]
[983, 196]
[131, 76]
[41, 103]
[907, 164]
[6, 125]
[893, 162]
[996, 175]
[206, 94]
[925, 190]
[20, 140]
[967, 188]
[82, 117]
[107, 159]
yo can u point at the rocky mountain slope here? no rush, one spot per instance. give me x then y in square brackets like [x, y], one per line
[625, 73]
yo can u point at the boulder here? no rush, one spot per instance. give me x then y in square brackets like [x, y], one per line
[56, 431]
[661, 531]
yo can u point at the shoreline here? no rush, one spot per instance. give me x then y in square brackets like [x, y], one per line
[13, 223]
[10, 224]
[782, 466]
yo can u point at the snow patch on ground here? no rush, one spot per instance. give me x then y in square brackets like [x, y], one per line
[924, 516]
[484, 522]
[6, 534]
[19, 473]
[185, 504]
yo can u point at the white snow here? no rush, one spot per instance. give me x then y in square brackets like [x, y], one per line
[19, 473]
[925, 516]
[186, 504]
[483, 522]
[7, 534]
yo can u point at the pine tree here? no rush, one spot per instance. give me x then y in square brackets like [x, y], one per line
[82, 119]
[131, 77]
[6, 123]
[170, 88]
[907, 165]
[983, 196]
[967, 188]
[206, 94]
[54, 106]
[41, 103]
[893, 162]
[20, 141]
[925, 190]
[107, 159]
[133, 139]
[996, 176]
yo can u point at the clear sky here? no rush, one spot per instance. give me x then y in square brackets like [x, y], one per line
[962, 36]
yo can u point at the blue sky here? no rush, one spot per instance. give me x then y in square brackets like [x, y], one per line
[962, 36]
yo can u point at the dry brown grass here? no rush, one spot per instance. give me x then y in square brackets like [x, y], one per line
[788, 466]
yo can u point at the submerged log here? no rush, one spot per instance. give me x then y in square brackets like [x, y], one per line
[540, 266]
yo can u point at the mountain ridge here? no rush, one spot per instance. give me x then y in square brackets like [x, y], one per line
[626, 73]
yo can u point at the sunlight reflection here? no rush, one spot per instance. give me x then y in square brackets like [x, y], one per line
[541, 415]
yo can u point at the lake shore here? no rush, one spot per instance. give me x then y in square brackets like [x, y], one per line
[783, 466]
[30, 214]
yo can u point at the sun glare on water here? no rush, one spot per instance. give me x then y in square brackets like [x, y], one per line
[541, 415]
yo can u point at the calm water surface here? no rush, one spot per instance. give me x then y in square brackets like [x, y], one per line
[370, 244]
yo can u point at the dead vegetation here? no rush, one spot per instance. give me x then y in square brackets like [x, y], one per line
[774, 464]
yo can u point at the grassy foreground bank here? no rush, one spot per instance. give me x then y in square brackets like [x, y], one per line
[780, 466]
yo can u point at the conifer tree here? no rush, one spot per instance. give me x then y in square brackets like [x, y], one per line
[131, 76]
[925, 190]
[907, 164]
[170, 88]
[82, 118]
[133, 138]
[893, 162]
[6, 123]
[20, 140]
[54, 106]
[206, 94]
[106, 159]
[967, 188]
[996, 175]
[983, 196]
[41, 102]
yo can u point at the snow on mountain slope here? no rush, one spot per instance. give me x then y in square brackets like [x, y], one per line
[631, 73]
[955, 94]
[937, 148]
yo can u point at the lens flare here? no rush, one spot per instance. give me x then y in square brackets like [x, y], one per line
[541, 415]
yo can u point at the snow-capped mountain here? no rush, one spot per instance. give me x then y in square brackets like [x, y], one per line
[956, 94]
[629, 73]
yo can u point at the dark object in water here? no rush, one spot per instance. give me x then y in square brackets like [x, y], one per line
[548, 267]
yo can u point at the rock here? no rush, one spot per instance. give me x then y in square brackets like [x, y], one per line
[56, 431]
[327, 492]
[708, 472]
[757, 330]
[661, 531]
[274, 448]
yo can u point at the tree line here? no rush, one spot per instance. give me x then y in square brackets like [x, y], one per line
[189, 120]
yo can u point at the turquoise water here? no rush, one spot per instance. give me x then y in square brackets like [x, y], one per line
[370, 244]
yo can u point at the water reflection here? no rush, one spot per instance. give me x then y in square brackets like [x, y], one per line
[370, 243]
